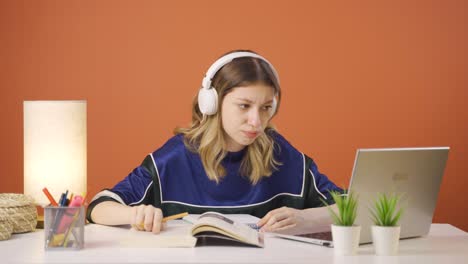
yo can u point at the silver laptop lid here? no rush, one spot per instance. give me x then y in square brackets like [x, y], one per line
[414, 172]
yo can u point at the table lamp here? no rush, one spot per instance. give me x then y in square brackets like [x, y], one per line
[54, 148]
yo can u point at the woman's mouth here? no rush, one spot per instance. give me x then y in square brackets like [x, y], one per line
[251, 134]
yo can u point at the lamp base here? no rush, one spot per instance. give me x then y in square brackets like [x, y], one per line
[40, 216]
[40, 222]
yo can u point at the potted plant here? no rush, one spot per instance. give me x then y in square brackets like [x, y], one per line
[345, 234]
[386, 214]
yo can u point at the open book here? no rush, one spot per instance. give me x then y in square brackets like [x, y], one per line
[211, 225]
[209, 228]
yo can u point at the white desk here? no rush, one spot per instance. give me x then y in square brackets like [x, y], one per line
[444, 244]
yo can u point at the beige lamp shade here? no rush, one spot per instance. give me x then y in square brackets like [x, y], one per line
[54, 148]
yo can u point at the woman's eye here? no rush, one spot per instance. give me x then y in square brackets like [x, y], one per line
[267, 107]
[244, 106]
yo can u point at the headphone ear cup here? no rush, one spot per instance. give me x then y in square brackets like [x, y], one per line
[274, 104]
[208, 101]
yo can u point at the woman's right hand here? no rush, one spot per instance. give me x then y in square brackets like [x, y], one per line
[146, 218]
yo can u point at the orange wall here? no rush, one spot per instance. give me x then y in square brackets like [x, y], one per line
[354, 75]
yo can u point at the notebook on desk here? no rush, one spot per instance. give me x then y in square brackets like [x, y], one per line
[415, 173]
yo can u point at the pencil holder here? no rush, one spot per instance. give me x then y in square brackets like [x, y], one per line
[64, 227]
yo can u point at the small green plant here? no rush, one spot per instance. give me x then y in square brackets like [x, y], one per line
[347, 207]
[384, 212]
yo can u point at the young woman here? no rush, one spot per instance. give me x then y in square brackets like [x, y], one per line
[230, 160]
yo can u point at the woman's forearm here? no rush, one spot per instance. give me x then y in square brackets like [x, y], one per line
[318, 218]
[111, 213]
[293, 221]
[311, 220]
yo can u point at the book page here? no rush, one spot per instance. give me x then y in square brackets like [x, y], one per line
[219, 223]
[247, 219]
[176, 233]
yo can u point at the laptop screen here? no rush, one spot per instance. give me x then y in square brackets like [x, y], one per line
[415, 173]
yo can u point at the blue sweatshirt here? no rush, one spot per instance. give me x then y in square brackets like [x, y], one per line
[173, 178]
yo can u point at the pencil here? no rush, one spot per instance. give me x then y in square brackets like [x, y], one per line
[165, 219]
[49, 196]
[172, 217]
[71, 198]
[70, 229]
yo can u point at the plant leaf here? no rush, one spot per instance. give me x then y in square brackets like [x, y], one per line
[347, 208]
[384, 212]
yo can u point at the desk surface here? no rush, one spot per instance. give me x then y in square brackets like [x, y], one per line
[444, 244]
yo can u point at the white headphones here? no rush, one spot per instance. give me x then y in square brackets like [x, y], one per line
[208, 97]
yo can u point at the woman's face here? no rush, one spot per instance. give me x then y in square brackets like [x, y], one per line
[245, 113]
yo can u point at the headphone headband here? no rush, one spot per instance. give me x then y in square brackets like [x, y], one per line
[217, 65]
[207, 95]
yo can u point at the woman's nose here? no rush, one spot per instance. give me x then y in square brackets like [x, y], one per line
[254, 119]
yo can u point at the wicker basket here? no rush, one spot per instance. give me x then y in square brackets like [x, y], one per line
[19, 210]
[6, 228]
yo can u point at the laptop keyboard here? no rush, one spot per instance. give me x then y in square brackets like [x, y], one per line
[320, 235]
[253, 226]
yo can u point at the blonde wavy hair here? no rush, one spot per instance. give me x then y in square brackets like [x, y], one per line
[206, 134]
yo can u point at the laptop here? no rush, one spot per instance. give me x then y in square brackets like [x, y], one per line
[415, 173]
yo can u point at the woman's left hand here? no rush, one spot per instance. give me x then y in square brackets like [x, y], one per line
[281, 219]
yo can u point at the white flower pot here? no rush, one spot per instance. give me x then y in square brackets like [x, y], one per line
[345, 239]
[386, 239]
